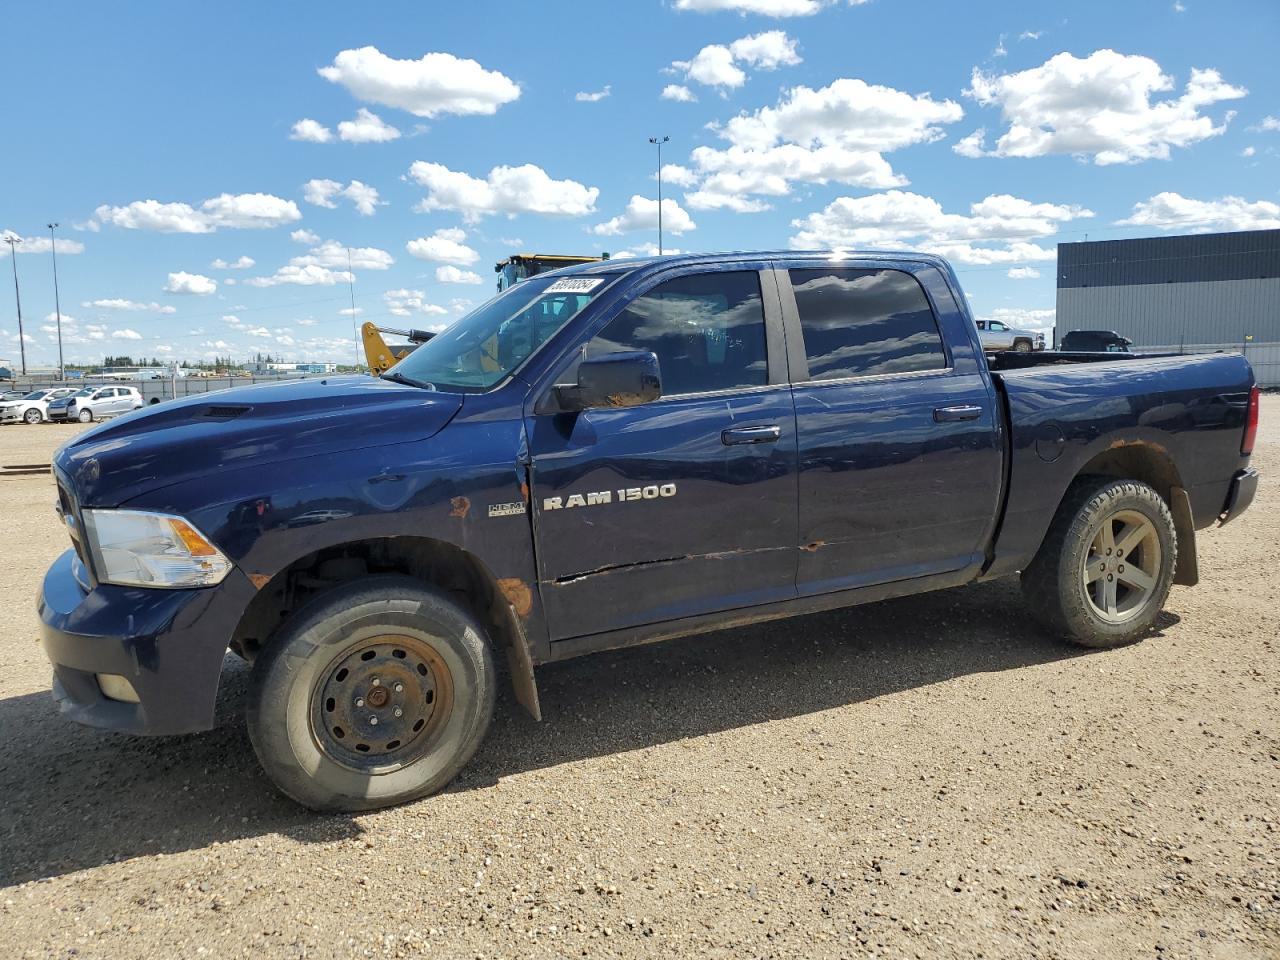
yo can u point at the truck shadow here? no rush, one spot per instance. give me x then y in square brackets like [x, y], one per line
[78, 798]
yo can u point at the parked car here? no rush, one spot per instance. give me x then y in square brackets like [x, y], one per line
[9, 395]
[997, 336]
[33, 406]
[1094, 341]
[94, 403]
[607, 455]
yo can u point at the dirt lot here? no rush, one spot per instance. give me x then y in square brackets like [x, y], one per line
[928, 777]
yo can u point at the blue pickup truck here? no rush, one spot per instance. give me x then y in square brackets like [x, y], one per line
[612, 454]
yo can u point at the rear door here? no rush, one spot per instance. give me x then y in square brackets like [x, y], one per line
[898, 428]
[685, 505]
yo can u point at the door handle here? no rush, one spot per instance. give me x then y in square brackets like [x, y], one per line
[768, 434]
[951, 414]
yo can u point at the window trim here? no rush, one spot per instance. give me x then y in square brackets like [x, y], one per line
[798, 359]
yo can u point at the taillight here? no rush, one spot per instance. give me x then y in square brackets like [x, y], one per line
[1250, 424]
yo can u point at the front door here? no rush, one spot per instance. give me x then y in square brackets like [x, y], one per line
[685, 505]
[900, 459]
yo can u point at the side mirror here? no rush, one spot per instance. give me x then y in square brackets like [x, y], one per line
[614, 380]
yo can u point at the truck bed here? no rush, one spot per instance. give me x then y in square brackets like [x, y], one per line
[1071, 413]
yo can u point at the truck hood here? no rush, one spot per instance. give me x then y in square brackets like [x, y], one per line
[246, 426]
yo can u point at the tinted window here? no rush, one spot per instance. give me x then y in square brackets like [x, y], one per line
[706, 329]
[863, 322]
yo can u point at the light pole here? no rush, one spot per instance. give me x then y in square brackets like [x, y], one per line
[658, 143]
[351, 288]
[57, 303]
[12, 240]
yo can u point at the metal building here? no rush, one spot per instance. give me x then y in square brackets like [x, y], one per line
[1201, 292]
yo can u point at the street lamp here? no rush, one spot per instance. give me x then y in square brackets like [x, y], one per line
[57, 303]
[658, 143]
[12, 240]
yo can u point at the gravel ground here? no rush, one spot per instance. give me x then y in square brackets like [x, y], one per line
[926, 777]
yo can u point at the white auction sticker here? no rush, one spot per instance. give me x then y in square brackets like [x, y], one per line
[575, 285]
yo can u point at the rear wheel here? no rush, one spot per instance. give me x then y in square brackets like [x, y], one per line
[1106, 565]
[32, 416]
[375, 694]
[85, 415]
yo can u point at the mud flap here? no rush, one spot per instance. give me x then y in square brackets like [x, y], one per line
[1187, 572]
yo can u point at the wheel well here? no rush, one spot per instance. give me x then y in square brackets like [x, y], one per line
[442, 564]
[1136, 461]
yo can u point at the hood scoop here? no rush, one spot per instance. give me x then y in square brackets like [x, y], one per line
[224, 412]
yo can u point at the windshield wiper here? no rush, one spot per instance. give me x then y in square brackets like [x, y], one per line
[395, 376]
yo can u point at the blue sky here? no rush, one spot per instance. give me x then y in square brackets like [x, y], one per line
[167, 140]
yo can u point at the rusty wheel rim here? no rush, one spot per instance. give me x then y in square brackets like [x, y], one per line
[380, 705]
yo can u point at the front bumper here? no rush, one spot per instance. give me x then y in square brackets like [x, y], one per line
[1244, 486]
[169, 645]
[9, 416]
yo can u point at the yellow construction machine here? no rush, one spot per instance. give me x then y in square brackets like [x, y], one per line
[383, 357]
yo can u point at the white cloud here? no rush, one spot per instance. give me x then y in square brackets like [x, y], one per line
[405, 303]
[972, 145]
[460, 305]
[838, 134]
[444, 246]
[451, 274]
[125, 334]
[1248, 151]
[350, 311]
[242, 263]
[326, 264]
[239, 211]
[435, 84]
[506, 190]
[643, 250]
[258, 332]
[304, 236]
[39, 244]
[1172, 211]
[717, 65]
[367, 127]
[1031, 35]
[1099, 106]
[899, 219]
[642, 214]
[1267, 124]
[192, 283]
[307, 322]
[119, 303]
[679, 93]
[764, 8]
[680, 176]
[311, 131]
[1023, 273]
[585, 96]
[324, 193]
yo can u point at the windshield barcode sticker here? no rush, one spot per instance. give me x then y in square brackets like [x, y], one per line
[575, 285]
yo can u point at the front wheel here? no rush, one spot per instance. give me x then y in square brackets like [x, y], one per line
[374, 694]
[85, 415]
[32, 416]
[1106, 565]
[1022, 346]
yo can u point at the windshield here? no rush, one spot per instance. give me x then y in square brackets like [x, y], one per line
[86, 392]
[35, 395]
[482, 348]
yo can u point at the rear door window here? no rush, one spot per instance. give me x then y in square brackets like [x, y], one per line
[865, 322]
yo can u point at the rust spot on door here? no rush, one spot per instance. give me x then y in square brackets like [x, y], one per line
[259, 580]
[461, 507]
[813, 547]
[518, 595]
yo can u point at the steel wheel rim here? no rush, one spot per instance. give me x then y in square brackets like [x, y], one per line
[1122, 566]
[380, 705]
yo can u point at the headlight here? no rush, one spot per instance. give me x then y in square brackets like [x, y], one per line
[139, 549]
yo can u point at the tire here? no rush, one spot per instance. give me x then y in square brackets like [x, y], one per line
[1078, 603]
[85, 415]
[1022, 346]
[33, 416]
[312, 696]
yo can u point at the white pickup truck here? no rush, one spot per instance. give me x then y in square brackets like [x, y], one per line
[997, 336]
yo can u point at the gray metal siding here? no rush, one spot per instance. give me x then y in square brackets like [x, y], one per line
[1225, 311]
[1192, 258]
